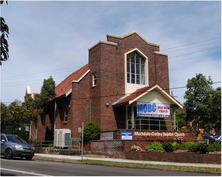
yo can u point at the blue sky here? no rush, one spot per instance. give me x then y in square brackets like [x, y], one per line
[51, 38]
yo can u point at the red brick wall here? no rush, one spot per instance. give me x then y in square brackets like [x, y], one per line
[45, 124]
[186, 157]
[162, 74]
[122, 149]
[79, 105]
[63, 105]
[94, 92]
[106, 91]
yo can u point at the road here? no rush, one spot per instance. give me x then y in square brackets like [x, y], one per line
[22, 167]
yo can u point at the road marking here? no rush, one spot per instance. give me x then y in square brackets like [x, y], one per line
[24, 172]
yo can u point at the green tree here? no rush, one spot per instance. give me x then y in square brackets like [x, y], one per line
[15, 111]
[22, 113]
[18, 113]
[199, 98]
[4, 35]
[213, 119]
[31, 111]
[4, 115]
[180, 116]
[47, 93]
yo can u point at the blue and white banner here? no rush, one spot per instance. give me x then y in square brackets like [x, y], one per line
[153, 110]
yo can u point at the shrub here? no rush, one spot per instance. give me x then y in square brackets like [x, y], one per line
[214, 147]
[181, 146]
[155, 145]
[197, 147]
[191, 146]
[202, 148]
[91, 131]
[168, 147]
[176, 146]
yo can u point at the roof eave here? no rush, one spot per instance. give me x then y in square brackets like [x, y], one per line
[165, 94]
[81, 76]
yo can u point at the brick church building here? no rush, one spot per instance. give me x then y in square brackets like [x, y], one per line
[124, 86]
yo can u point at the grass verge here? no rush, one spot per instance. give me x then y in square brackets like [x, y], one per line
[191, 168]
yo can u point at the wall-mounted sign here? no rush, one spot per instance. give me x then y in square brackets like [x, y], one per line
[153, 110]
[127, 136]
[159, 134]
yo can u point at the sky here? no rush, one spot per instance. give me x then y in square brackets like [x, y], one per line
[52, 38]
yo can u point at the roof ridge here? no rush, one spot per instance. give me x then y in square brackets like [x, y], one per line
[71, 74]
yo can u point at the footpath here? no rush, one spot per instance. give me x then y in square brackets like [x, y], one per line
[70, 158]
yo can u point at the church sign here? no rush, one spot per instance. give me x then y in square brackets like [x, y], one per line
[153, 110]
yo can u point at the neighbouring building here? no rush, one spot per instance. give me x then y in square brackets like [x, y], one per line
[124, 86]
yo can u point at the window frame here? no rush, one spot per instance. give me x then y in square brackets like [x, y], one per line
[146, 76]
[135, 68]
[65, 116]
[94, 79]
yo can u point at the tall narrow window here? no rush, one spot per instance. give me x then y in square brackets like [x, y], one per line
[135, 69]
[94, 80]
[65, 116]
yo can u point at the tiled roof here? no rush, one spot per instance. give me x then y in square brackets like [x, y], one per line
[128, 99]
[65, 86]
[132, 96]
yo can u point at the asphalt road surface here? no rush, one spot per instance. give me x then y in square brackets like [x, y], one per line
[22, 167]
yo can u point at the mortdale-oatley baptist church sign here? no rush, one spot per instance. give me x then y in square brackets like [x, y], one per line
[160, 134]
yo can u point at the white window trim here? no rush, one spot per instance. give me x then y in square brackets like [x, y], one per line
[129, 87]
[94, 79]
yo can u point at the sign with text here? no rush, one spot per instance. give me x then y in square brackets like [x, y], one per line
[153, 110]
[127, 136]
[159, 134]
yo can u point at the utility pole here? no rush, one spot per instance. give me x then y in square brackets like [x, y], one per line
[174, 115]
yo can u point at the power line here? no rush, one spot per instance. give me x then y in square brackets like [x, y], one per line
[20, 83]
[104, 65]
[196, 52]
[118, 94]
[190, 47]
[65, 69]
[42, 73]
[191, 43]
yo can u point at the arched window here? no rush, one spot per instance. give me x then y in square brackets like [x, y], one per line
[135, 68]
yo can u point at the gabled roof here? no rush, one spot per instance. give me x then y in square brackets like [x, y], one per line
[134, 32]
[64, 88]
[122, 37]
[131, 98]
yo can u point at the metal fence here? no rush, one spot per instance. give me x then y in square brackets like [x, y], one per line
[76, 145]
[153, 124]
